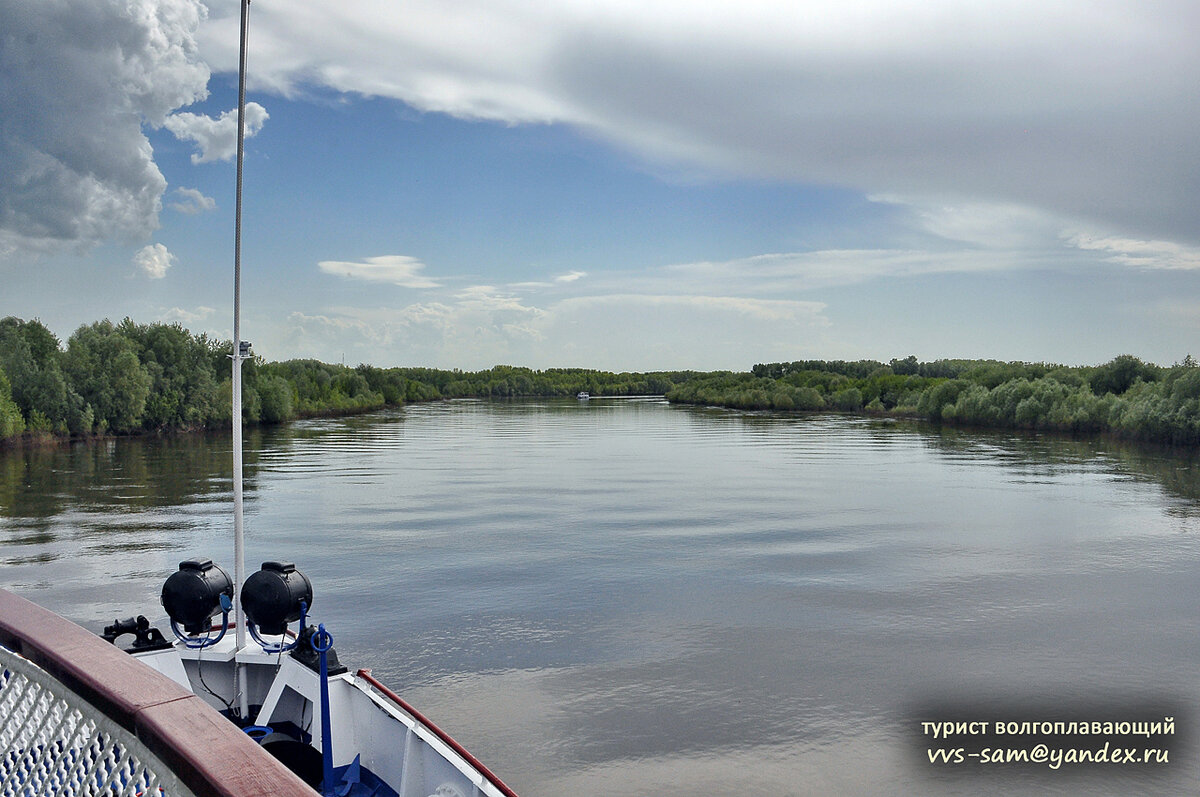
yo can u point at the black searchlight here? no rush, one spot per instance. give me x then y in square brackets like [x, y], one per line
[194, 594]
[275, 596]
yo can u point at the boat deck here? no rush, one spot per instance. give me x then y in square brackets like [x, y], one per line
[206, 752]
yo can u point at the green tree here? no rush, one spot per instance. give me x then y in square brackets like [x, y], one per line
[183, 383]
[389, 383]
[848, 400]
[275, 396]
[936, 398]
[11, 422]
[102, 367]
[1118, 376]
[807, 398]
[30, 356]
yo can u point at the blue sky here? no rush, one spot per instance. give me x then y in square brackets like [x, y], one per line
[613, 185]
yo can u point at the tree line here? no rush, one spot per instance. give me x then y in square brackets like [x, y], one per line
[1126, 397]
[130, 378]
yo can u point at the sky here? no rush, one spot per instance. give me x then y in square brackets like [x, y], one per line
[623, 185]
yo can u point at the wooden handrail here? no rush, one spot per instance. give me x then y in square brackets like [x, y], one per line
[207, 752]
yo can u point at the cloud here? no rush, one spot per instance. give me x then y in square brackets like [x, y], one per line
[397, 269]
[1140, 254]
[1086, 110]
[978, 224]
[154, 261]
[761, 309]
[559, 282]
[178, 314]
[216, 138]
[792, 273]
[192, 202]
[78, 80]
[485, 325]
[1040, 238]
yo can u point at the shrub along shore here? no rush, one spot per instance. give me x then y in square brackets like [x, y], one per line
[131, 378]
[1124, 398]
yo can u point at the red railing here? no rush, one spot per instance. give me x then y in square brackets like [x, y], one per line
[441, 734]
[207, 752]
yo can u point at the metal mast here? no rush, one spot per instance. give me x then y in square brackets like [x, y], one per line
[240, 352]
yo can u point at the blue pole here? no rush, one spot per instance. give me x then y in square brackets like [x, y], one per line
[322, 642]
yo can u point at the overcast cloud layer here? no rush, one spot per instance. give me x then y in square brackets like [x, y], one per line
[1084, 109]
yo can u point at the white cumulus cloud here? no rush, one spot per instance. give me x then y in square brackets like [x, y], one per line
[216, 138]
[179, 314]
[78, 79]
[154, 261]
[192, 201]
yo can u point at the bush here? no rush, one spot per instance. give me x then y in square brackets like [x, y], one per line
[935, 399]
[1119, 375]
[275, 395]
[11, 421]
[807, 398]
[848, 400]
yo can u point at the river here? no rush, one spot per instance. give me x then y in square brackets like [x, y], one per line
[621, 597]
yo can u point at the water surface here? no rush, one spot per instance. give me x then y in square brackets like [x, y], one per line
[620, 597]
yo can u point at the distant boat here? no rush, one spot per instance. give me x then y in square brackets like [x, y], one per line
[583, 395]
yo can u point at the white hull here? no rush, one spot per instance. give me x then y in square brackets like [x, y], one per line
[403, 750]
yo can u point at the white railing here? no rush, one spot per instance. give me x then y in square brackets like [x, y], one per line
[56, 743]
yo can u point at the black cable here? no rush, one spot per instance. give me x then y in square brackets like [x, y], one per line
[200, 673]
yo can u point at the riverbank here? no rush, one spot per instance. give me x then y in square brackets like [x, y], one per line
[1126, 398]
[132, 379]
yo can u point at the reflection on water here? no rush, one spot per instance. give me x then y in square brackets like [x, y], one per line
[620, 597]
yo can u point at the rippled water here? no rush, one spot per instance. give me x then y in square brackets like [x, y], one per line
[620, 597]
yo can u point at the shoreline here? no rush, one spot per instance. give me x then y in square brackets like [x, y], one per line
[45, 440]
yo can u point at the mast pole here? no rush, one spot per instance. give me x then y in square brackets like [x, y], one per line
[239, 567]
